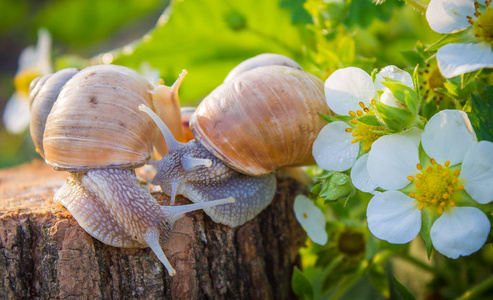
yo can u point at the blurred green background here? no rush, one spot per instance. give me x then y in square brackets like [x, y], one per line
[79, 29]
[206, 37]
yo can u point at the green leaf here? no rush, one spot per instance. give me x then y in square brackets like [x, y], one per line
[81, 22]
[394, 118]
[331, 119]
[426, 222]
[379, 279]
[210, 37]
[414, 57]
[462, 36]
[316, 189]
[337, 186]
[298, 14]
[467, 78]
[402, 290]
[364, 12]
[301, 285]
[403, 93]
[371, 247]
[415, 77]
[370, 120]
[480, 116]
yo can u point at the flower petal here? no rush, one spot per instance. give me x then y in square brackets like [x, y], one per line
[477, 172]
[389, 99]
[311, 219]
[37, 58]
[333, 149]
[414, 133]
[16, 115]
[448, 136]
[446, 16]
[393, 217]
[43, 49]
[395, 73]
[360, 177]
[460, 231]
[456, 59]
[391, 159]
[345, 88]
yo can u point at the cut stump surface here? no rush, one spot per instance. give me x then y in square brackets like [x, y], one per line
[45, 254]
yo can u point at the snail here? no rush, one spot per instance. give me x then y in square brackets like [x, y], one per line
[262, 118]
[87, 122]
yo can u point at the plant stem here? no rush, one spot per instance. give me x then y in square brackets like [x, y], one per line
[478, 289]
[418, 6]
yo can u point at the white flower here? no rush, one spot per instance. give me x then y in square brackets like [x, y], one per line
[349, 91]
[449, 16]
[33, 62]
[311, 219]
[457, 164]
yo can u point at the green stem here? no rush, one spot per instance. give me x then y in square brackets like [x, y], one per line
[478, 289]
[418, 6]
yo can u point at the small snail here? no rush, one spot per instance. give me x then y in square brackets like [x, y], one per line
[87, 122]
[260, 119]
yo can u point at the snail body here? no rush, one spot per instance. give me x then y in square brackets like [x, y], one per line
[261, 119]
[94, 130]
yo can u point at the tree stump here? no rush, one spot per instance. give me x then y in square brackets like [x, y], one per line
[45, 254]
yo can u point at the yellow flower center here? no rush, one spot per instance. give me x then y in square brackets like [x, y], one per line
[483, 25]
[435, 186]
[23, 80]
[364, 133]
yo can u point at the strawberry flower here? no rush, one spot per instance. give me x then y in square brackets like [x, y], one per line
[451, 16]
[349, 92]
[447, 182]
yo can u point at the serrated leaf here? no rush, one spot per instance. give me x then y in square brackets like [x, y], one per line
[301, 285]
[402, 290]
[403, 93]
[370, 120]
[467, 78]
[426, 222]
[393, 117]
[444, 40]
[316, 189]
[480, 116]
[330, 119]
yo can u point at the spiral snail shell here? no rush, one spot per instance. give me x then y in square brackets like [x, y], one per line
[260, 119]
[87, 122]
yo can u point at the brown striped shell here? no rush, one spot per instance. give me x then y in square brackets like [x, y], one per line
[95, 121]
[262, 119]
[42, 95]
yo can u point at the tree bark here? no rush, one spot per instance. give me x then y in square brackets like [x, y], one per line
[45, 254]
